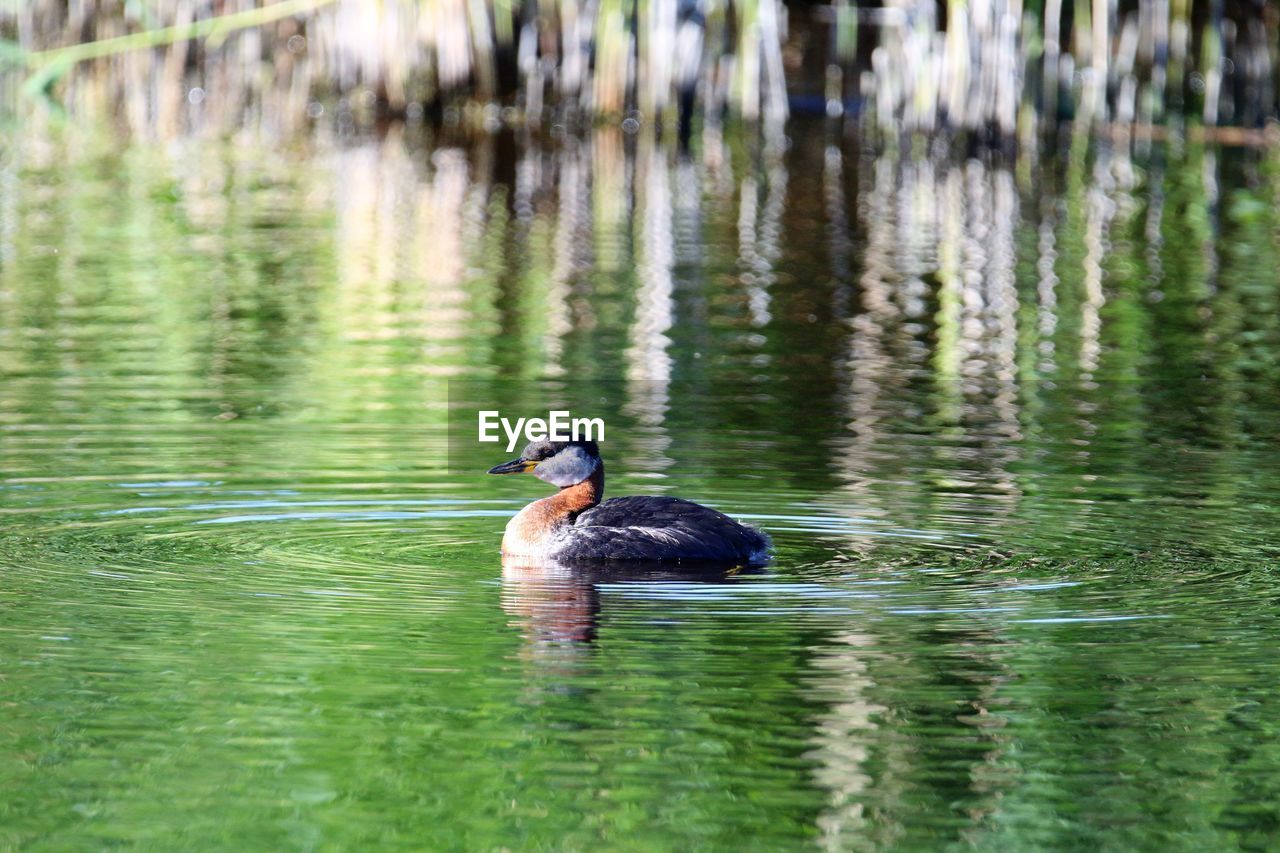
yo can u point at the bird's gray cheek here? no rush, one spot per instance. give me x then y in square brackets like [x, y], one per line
[566, 469]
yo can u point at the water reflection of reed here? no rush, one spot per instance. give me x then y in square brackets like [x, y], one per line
[960, 285]
[871, 772]
[409, 230]
[843, 739]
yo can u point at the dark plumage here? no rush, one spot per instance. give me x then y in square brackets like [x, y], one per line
[573, 526]
[656, 528]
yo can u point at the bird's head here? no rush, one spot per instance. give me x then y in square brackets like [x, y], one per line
[560, 463]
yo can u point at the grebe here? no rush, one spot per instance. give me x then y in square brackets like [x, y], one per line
[573, 525]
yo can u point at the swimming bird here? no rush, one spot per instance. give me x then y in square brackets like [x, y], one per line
[573, 525]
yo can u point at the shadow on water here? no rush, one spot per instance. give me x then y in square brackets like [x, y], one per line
[558, 603]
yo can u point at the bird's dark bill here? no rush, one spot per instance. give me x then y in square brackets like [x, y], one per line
[515, 466]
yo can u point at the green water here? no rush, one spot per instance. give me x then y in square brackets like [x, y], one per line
[1013, 433]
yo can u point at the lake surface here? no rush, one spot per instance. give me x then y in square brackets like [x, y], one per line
[1012, 429]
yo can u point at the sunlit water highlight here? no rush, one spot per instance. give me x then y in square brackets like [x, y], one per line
[1012, 433]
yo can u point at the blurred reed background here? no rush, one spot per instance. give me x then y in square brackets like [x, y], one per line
[995, 67]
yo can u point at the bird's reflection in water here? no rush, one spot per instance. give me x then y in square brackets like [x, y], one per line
[557, 604]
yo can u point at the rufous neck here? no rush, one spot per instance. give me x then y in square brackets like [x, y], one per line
[568, 503]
